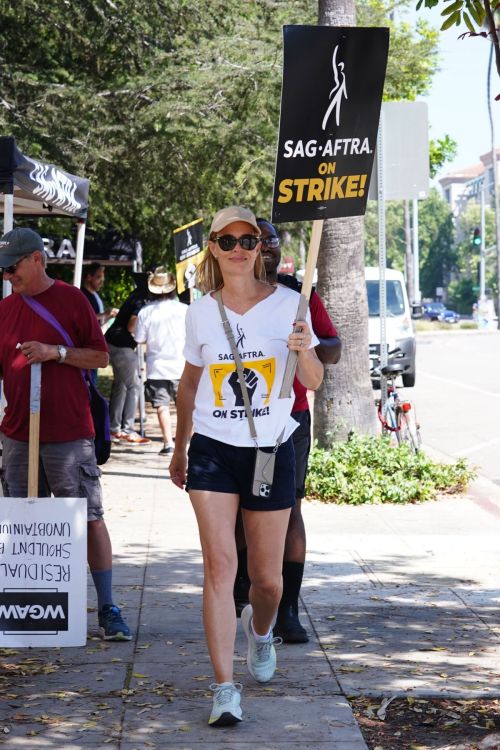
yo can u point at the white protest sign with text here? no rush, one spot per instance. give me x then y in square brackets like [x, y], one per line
[43, 572]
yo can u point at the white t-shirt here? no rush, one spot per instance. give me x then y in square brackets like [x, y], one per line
[261, 337]
[161, 326]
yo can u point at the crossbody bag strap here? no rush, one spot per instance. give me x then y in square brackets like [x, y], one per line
[239, 369]
[42, 311]
[47, 316]
[237, 361]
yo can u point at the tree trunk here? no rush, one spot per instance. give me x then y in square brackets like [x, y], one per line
[344, 403]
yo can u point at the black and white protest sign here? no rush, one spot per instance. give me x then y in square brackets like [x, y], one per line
[43, 572]
[188, 244]
[333, 78]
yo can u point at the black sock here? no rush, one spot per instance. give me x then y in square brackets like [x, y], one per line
[242, 581]
[292, 581]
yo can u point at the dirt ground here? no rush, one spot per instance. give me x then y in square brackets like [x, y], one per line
[428, 723]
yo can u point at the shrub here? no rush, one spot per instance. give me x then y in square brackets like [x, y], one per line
[372, 470]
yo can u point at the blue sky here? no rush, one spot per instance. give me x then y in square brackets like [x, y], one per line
[457, 101]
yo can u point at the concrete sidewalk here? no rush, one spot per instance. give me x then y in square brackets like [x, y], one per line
[398, 600]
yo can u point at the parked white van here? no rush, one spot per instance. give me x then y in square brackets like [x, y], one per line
[399, 326]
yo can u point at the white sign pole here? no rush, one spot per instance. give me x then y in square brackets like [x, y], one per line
[382, 258]
[80, 241]
[416, 262]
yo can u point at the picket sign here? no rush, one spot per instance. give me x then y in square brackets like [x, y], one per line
[333, 79]
[43, 558]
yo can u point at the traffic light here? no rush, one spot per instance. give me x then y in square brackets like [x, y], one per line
[476, 238]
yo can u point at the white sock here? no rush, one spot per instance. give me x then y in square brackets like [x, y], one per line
[259, 638]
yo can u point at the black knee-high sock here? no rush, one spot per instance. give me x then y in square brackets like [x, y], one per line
[292, 581]
[242, 578]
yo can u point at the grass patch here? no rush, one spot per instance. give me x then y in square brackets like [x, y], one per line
[372, 470]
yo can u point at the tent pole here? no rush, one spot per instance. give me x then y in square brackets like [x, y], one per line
[80, 239]
[8, 224]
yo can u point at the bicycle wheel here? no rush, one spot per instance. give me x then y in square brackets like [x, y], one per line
[408, 427]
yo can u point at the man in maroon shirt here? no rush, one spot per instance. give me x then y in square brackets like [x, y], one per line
[67, 459]
[288, 626]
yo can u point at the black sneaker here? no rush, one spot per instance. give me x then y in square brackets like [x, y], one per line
[166, 450]
[112, 625]
[288, 627]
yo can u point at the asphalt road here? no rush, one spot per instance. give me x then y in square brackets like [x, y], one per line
[457, 396]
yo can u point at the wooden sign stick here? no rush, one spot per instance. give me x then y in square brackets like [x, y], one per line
[312, 259]
[34, 436]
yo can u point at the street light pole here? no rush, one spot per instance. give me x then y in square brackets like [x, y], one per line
[495, 184]
[482, 253]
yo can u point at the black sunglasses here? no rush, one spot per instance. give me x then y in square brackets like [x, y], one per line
[272, 241]
[227, 242]
[13, 268]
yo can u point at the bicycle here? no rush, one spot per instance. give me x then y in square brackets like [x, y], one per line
[398, 416]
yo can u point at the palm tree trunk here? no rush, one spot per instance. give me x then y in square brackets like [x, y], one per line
[344, 403]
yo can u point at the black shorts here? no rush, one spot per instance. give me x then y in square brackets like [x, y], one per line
[160, 392]
[219, 467]
[302, 444]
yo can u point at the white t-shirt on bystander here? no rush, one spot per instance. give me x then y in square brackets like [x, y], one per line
[161, 326]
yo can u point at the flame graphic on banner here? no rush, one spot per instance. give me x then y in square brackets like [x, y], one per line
[54, 186]
[339, 90]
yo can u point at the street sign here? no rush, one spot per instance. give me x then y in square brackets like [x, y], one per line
[406, 152]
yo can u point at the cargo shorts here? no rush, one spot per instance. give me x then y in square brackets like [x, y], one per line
[66, 470]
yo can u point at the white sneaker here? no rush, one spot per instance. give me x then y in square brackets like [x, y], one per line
[261, 655]
[226, 709]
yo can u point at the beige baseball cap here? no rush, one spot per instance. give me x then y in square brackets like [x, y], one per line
[233, 213]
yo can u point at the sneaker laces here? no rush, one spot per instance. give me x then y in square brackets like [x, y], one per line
[223, 693]
[263, 648]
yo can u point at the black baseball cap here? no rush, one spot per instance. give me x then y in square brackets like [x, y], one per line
[17, 243]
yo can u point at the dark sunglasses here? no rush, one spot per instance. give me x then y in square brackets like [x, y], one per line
[227, 242]
[13, 268]
[272, 242]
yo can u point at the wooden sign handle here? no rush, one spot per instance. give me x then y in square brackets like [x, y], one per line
[34, 435]
[312, 259]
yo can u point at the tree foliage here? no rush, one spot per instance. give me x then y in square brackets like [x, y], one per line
[169, 108]
[477, 15]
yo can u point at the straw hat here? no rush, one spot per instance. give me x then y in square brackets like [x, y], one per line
[161, 281]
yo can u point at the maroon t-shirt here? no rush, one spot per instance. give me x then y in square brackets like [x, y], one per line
[324, 329]
[64, 404]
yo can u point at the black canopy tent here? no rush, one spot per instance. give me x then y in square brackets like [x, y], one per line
[33, 188]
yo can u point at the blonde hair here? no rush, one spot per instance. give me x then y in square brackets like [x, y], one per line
[209, 276]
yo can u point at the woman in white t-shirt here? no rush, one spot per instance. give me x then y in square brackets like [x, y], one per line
[222, 451]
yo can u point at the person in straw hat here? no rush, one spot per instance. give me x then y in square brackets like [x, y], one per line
[161, 326]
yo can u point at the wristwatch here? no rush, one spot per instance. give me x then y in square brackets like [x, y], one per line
[62, 353]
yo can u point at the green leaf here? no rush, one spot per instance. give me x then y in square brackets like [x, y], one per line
[453, 19]
[468, 22]
[457, 5]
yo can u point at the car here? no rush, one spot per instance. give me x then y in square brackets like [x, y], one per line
[432, 310]
[400, 334]
[449, 316]
[439, 311]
